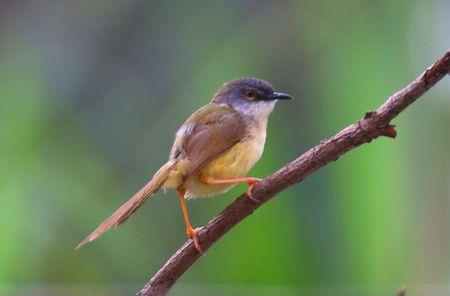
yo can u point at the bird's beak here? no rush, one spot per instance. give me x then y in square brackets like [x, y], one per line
[281, 96]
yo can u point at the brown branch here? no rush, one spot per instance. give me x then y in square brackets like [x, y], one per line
[374, 124]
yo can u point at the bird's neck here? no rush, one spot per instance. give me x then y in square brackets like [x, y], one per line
[258, 122]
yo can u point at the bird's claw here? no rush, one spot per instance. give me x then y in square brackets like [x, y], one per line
[193, 235]
[251, 184]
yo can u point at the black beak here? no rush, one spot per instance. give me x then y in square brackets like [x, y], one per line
[281, 96]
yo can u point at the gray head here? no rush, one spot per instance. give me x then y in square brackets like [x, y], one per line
[250, 96]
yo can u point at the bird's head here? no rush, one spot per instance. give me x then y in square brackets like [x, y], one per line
[249, 96]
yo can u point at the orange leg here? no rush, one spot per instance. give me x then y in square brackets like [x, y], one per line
[191, 232]
[249, 180]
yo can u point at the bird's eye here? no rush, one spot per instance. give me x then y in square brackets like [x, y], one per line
[250, 95]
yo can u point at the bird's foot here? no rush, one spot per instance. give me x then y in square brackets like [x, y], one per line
[251, 184]
[193, 235]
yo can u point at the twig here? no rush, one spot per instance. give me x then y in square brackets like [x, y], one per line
[374, 124]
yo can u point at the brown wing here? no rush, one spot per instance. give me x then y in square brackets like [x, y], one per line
[207, 133]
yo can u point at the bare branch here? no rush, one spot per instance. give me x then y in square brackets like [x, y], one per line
[374, 124]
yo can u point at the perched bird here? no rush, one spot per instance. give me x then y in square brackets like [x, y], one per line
[213, 150]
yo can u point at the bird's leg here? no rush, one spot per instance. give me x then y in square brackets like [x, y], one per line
[249, 180]
[191, 232]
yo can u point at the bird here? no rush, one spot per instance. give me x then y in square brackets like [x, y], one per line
[213, 150]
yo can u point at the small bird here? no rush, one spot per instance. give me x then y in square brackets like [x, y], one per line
[213, 150]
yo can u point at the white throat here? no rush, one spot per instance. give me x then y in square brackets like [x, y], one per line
[259, 111]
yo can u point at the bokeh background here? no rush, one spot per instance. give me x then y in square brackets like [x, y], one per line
[91, 93]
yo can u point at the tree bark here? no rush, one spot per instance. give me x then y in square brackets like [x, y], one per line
[373, 125]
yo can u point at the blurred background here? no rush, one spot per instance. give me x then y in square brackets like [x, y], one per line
[92, 92]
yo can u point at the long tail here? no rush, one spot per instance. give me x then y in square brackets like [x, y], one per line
[134, 203]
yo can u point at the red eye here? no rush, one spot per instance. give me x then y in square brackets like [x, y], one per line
[250, 95]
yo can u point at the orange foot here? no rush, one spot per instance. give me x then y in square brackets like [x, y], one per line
[251, 184]
[193, 235]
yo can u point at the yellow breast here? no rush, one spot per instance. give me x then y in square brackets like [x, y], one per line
[233, 163]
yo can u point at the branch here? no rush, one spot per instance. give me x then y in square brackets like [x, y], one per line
[374, 124]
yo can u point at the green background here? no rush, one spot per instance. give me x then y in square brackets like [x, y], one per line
[91, 93]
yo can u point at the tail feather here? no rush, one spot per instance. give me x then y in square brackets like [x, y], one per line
[134, 203]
